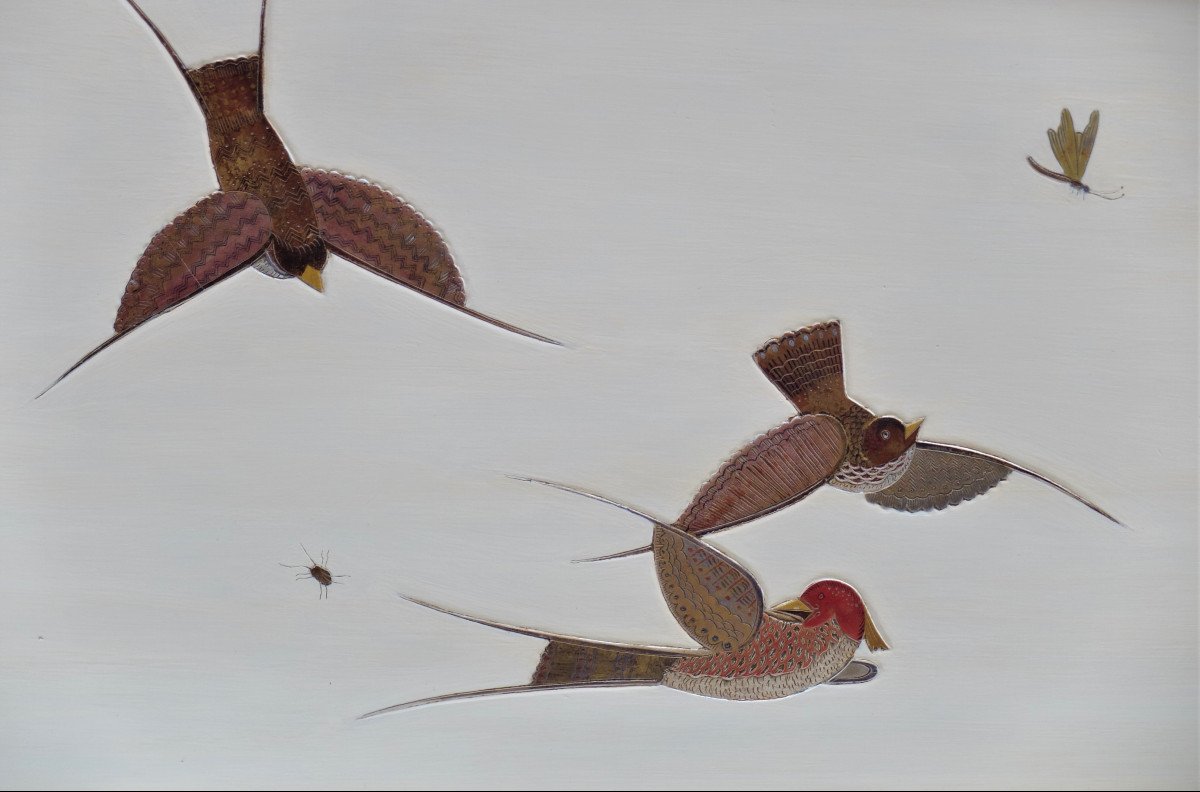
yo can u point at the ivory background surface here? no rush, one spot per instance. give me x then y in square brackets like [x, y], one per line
[661, 187]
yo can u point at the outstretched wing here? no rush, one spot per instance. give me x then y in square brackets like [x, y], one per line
[206, 244]
[806, 365]
[218, 236]
[946, 475]
[1087, 140]
[774, 471]
[368, 226]
[377, 230]
[1065, 144]
[714, 599]
[936, 479]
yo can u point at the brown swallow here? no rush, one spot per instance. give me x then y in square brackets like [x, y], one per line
[1073, 150]
[836, 441]
[279, 217]
[748, 652]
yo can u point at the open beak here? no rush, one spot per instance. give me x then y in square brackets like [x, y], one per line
[796, 610]
[910, 430]
[312, 277]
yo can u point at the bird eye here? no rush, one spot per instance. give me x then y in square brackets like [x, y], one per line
[820, 596]
[885, 434]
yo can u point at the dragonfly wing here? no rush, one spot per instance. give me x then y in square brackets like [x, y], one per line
[1069, 141]
[1057, 147]
[1087, 140]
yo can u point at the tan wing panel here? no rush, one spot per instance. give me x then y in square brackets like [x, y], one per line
[1087, 141]
[937, 479]
[1070, 145]
[774, 471]
[806, 365]
[1059, 153]
[382, 233]
[714, 599]
[214, 238]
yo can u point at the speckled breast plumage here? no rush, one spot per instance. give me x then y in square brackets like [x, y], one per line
[784, 659]
[854, 477]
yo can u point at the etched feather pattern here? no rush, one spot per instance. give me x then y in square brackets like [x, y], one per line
[216, 236]
[936, 480]
[775, 470]
[383, 233]
[806, 365]
[714, 599]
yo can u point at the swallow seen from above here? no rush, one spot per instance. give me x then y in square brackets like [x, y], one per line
[836, 441]
[279, 217]
[748, 652]
[1073, 150]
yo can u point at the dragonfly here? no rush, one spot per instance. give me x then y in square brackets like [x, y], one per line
[1072, 150]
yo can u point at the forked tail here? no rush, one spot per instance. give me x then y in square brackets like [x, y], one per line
[566, 662]
[622, 506]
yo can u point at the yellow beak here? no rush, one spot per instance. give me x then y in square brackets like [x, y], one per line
[312, 277]
[910, 430]
[796, 610]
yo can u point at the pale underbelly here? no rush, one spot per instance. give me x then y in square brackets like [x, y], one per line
[824, 667]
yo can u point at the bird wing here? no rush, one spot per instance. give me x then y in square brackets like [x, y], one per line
[1087, 140]
[379, 231]
[936, 479]
[206, 244]
[806, 365]
[218, 236]
[946, 475]
[369, 226]
[776, 470]
[714, 599]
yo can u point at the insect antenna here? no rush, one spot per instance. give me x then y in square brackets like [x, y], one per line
[1111, 195]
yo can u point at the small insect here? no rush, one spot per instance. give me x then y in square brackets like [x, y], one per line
[318, 572]
[1072, 150]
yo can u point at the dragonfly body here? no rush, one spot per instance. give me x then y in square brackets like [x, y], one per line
[1072, 150]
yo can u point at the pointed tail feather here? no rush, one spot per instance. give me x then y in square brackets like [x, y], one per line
[500, 691]
[668, 651]
[566, 662]
[622, 506]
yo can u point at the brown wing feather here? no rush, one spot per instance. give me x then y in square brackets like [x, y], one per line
[774, 471]
[379, 231]
[806, 365]
[221, 233]
[937, 479]
[714, 599]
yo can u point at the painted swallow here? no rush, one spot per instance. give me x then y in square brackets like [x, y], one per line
[1073, 150]
[281, 218]
[836, 441]
[748, 652]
